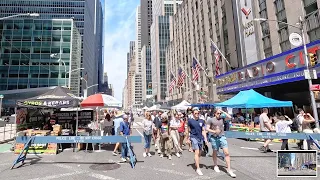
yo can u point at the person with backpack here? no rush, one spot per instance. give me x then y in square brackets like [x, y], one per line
[298, 125]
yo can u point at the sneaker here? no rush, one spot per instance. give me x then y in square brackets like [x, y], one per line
[114, 153]
[269, 150]
[261, 148]
[159, 152]
[127, 158]
[178, 155]
[156, 146]
[231, 174]
[169, 157]
[216, 169]
[123, 160]
[144, 154]
[199, 172]
[149, 155]
[161, 155]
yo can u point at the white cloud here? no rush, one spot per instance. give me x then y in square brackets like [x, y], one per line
[116, 40]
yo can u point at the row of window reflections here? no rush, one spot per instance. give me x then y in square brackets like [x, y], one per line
[51, 75]
[27, 63]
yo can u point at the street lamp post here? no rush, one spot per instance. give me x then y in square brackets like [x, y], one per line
[301, 28]
[17, 15]
[64, 64]
[85, 90]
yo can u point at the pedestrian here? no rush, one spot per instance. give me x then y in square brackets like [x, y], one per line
[181, 128]
[107, 125]
[125, 130]
[196, 137]
[117, 121]
[265, 126]
[306, 128]
[283, 126]
[174, 133]
[165, 141]
[147, 134]
[156, 131]
[218, 139]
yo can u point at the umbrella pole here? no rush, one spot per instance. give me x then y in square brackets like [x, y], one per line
[77, 126]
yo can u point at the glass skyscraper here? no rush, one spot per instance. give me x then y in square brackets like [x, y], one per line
[39, 53]
[88, 18]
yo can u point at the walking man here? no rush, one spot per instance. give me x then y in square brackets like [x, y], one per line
[125, 130]
[218, 140]
[265, 126]
[196, 128]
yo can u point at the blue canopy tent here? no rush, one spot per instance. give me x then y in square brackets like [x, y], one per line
[252, 99]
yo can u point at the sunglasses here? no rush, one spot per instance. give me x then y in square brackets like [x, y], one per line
[195, 113]
[218, 113]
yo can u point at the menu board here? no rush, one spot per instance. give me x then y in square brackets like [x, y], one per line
[85, 116]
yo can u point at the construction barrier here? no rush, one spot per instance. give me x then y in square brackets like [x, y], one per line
[28, 140]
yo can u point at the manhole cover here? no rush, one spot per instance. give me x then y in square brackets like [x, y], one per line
[105, 167]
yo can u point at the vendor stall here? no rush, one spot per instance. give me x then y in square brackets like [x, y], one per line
[184, 105]
[40, 116]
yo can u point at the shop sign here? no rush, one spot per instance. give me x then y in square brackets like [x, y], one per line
[260, 70]
[84, 117]
[261, 82]
[33, 103]
[47, 103]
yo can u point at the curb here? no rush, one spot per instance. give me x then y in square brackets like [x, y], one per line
[5, 141]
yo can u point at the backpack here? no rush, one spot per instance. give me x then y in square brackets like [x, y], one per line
[295, 125]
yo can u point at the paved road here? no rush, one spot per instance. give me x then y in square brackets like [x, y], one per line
[247, 161]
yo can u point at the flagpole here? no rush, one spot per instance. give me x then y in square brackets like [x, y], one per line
[187, 74]
[205, 72]
[220, 53]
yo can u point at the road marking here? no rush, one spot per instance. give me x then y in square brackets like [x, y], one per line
[263, 143]
[100, 176]
[170, 171]
[139, 132]
[59, 175]
[249, 148]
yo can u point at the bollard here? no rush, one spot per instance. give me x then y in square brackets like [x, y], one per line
[10, 130]
[4, 132]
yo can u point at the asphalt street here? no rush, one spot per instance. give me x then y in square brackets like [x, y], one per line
[247, 162]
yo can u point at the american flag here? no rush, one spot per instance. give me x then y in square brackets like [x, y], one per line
[181, 77]
[195, 69]
[216, 55]
[172, 83]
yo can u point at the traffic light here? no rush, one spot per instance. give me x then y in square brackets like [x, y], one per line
[313, 59]
[149, 85]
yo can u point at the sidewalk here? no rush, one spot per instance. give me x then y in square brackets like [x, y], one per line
[7, 133]
[5, 147]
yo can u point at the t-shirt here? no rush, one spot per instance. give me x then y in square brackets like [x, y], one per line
[196, 128]
[125, 128]
[164, 128]
[175, 122]
[215, 124]
[283, 127]
[263, 120]
[181, 128]
[157, 122]
[147, 125]
[117, 122]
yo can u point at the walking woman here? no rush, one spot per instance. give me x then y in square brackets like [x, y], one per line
[147, 133]
[107, 125]
[181, 128]
[165, 140]
[174, 133]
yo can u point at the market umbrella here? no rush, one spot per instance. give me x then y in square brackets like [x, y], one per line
[101, 100]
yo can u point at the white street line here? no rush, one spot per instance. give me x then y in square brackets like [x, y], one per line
[263, 143]
[59, 175]
[170, 171]
[139, 132]
[139, 123]
[6, 164]
[249, 148]
[100, 176]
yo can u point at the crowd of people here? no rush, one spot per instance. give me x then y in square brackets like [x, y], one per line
[169, 132]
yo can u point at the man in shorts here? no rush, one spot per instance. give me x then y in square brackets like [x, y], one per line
[218, 140]
[265, 126]
[196, 134]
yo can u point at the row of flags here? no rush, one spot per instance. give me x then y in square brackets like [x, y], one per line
[196, 67]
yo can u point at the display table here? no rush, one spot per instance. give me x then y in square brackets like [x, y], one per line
[49, 148]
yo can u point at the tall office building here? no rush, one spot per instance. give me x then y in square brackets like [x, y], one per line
[191, 38]
[87, 15]
[146, 21]
[39, 53]
[138, 72]
[130, 54]
[162, 11]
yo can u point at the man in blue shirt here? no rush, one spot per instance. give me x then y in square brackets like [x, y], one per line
[116, 122]
[196, 134]
[124, 130]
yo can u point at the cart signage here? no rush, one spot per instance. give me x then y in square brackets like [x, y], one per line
[85, 117]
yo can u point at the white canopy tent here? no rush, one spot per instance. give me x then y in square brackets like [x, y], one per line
[145, 108]
[154, 108]
[184, 105]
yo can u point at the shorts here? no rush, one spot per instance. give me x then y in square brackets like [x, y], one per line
[181, 133]
[218, 142]
[196, 143]
[268, 132]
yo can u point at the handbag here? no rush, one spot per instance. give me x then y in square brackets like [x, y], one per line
[165, 135]
[149, 132]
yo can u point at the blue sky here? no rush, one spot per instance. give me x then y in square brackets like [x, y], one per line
[119, 30]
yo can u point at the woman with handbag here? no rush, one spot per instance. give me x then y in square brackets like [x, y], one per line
[165, 140]
[147, 133]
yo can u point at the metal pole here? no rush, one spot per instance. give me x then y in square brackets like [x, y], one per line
[313, 101]
[1, 106]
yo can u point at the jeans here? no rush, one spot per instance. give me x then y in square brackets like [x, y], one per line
[284, 145]
[147, 140]
[124, 150]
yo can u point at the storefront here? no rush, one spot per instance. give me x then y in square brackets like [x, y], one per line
[280, 76]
